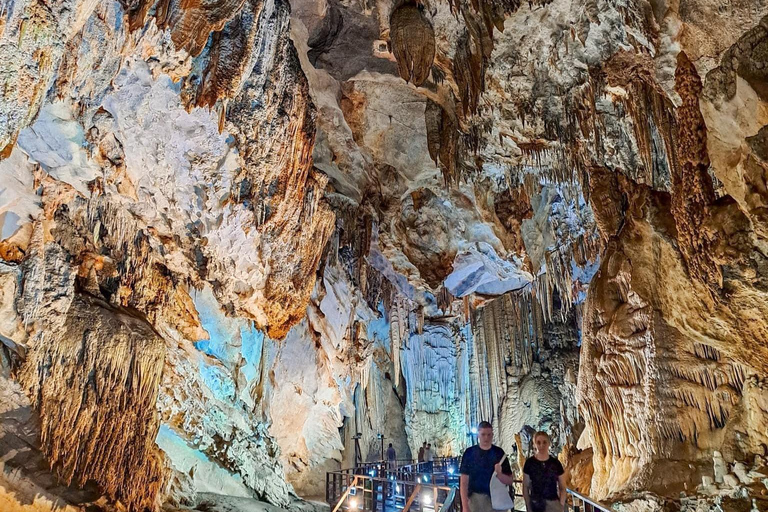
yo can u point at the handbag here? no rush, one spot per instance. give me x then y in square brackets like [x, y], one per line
[500, 495]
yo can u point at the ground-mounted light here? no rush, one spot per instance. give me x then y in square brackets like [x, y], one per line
[426, 499]
[474, 430]
[450, 470]
[353, 503]
[397, 488]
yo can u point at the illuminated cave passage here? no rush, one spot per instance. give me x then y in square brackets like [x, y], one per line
[247, 244]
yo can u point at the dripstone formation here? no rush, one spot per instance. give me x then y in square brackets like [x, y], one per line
[234, 235]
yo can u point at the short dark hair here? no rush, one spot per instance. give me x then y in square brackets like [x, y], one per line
[390, 445]
[484, 424]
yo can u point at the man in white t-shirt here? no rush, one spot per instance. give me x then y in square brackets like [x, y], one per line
[429, 457]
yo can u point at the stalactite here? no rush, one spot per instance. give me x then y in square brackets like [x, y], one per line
[413, 42]
[398, 329]
[419, 320]
[95, 385]
[693, 191]
[492, 335]
[480, 367]
[192, 21]
[469, 70]
[444, 300]
[231, 50]
[443, 140]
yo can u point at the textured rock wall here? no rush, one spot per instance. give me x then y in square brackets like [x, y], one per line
[95, 385]
[657, 392]
[311, 209]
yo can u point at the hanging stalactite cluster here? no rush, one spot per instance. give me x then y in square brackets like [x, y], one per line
[442, 140]
[96, 384]
[413, 42]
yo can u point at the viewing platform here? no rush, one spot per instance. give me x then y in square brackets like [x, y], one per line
[416, 487]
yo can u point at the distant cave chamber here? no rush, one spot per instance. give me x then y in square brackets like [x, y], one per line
[247, 245]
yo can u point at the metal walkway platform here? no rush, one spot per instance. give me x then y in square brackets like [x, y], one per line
[415, 487]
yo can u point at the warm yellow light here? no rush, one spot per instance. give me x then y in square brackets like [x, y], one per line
[353, 503]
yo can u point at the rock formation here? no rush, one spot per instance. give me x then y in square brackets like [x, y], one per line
[239, 239]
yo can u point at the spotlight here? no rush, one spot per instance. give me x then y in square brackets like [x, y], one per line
[353, 504]
[397, 488]
[450, 470]
[474, 430]
[426, 478]
[426, 499]
[372, 473]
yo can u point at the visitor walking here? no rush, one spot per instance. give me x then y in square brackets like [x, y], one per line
[478, 465]
[544, 487]
[422, 449]
[429, 457]
[391, 458]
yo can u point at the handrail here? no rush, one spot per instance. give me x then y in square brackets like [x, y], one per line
[386, 479]
[344, 496]
[412, 498]
[594, 505]
[448, 503]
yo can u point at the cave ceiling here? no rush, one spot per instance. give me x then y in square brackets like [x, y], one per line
[232, 229]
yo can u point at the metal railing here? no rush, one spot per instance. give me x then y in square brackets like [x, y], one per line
[354, 493]
[375, 487]
[579, 503]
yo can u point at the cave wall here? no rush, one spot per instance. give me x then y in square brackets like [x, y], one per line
[671, 368]
[330, 218]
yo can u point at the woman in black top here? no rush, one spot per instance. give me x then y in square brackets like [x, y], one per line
[543, 479]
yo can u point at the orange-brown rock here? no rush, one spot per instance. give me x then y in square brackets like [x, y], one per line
[95, 384]
[413, 42]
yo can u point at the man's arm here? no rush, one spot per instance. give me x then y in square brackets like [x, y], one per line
[464, 491]
[563, 489]
[526, 489]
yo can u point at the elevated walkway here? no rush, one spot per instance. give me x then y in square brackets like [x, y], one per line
[416, 487]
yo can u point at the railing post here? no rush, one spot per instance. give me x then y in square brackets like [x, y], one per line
[374, 494]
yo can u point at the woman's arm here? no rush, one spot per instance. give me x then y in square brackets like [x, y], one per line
[563, 489]
[526, 489]
[505, 479]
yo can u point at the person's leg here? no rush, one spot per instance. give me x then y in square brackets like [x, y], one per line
[554, 506]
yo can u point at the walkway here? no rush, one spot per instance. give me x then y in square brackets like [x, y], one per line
[372, 487]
